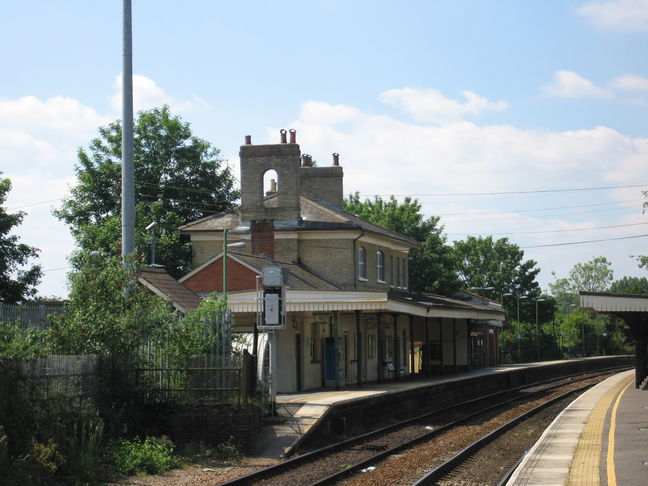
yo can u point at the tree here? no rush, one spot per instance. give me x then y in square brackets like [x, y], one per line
[630, 285]
[593, 276]
[484, 262]
[432, 266]
[103, 317]
[16, 283]
[178, 178]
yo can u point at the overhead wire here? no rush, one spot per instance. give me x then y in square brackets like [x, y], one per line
[583, 242]
[502, 193]
[552, 231]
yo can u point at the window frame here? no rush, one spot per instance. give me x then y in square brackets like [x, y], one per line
[380, 266]
[362, 263]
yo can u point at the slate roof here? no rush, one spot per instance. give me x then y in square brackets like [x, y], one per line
[435, 300]
[160, 282]
[316, 216]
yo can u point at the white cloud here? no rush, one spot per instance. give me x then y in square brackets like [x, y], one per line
[631, 82]
[38, 144]
[617, 15]
[430, 106]
[147, 94]
[60, 116]
[568, 84]
[383, 155]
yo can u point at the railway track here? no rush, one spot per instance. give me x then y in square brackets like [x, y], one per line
[446, 437]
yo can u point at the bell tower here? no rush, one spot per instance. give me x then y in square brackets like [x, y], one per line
[285, 159]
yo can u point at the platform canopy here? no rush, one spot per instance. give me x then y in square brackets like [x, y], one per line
[633, 309]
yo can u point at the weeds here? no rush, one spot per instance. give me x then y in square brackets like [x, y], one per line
[227, 452]
[152, 455]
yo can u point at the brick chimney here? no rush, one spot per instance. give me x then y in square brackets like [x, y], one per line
[262, 235]
[323, 183]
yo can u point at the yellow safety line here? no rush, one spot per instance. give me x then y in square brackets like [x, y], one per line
[584, 469]
[611, 471]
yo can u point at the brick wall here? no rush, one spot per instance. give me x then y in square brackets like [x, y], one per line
[210, 278]
[262, 235]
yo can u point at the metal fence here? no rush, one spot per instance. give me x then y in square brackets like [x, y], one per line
[208, 378]
[71, 378]
[31, 314]
[159, 372]
[215, 376]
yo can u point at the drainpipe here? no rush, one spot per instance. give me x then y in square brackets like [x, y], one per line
[440, 319]
[355, 260]
[454, 344]
[358, 349]
[379, 346]
[336, 347]
[396, 356]
[411, 332]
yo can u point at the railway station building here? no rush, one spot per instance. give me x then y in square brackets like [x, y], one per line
[350, 317]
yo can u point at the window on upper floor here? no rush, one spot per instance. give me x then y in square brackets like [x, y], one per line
[380, 266]
[404, 273]
[398, 272]
[362, 263]
[391, 271]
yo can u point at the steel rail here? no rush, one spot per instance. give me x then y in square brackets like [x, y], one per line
[281, 467]
[455, 461]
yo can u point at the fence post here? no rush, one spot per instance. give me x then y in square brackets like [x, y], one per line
[248, 376]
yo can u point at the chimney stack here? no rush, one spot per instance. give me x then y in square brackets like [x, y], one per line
[262, 236]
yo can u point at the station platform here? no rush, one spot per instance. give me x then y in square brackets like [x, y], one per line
[299, 414]
[601, 438]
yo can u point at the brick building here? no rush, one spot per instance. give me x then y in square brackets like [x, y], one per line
[350, 316]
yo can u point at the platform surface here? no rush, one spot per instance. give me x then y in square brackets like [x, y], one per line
[601, 438]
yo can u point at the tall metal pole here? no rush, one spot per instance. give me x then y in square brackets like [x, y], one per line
[128, 170]
[225, 266]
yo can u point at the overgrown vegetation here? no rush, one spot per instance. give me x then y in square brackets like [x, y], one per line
[151, 455]
[54, 432]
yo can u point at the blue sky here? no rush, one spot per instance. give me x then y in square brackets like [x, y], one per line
[427, 98]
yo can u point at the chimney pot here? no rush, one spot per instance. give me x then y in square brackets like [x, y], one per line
[293, 135]
[283, 135]
[336, 159]
[248, 140]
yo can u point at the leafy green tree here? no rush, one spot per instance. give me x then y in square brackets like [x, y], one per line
[593, 276]
[178, 178]
[107, 313]
[630, 285]
[583, 333]
[16, 283]
[432, 266]
[484, 262]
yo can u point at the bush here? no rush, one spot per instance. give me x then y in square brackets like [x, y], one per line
[19, 343]
[152, 455]
[227, 452]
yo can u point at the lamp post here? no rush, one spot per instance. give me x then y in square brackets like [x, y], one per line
[481, 295]
[151, 227]
[226, 245]
[506, 294]
[537, 330]
[519, 335]
[522, 297]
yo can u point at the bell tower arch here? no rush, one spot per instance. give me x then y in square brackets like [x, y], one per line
[284, 158]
